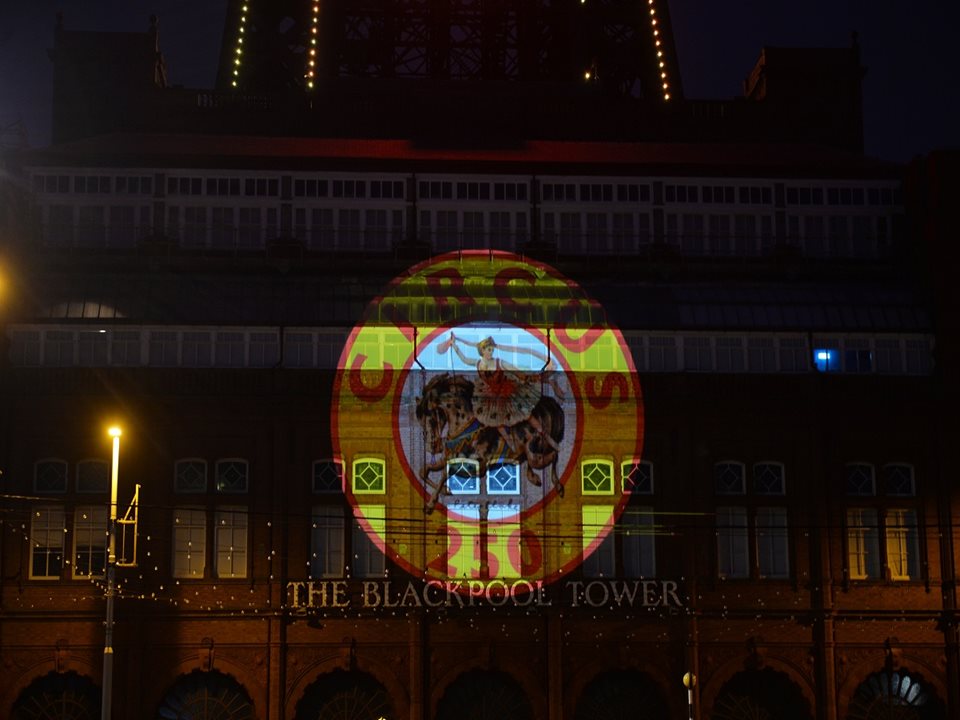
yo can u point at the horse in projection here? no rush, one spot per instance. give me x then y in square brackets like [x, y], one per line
[451, 430]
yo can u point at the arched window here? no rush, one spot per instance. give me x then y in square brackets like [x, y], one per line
[484, 695]
[341, 695]
[58, 696]
[621, 695]
[894, 695]
[206, 696]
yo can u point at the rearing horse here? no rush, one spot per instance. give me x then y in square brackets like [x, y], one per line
[451, 430]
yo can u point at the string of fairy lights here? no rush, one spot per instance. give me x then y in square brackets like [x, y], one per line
[310, 62]
[238, 48]
[736, 611]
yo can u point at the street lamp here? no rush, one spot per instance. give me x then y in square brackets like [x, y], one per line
[689, 682]
[106, 699]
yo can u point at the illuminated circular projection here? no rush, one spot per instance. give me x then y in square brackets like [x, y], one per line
[488, 420]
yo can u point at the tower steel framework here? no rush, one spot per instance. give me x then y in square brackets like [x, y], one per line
[625, 46]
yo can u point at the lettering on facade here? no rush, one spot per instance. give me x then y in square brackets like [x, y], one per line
[311, 595]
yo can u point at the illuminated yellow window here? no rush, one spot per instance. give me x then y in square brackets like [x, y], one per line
[369, 476]
[597, 477]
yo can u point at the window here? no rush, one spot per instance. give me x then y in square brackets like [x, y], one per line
[768, 479]
[863, 544]
[25, 348]
[197, 349]
[597, 519]
[369, 476]
[826, 359]
[46, 542]
[93, 476]
[125, 347]
[327, 477]
[232, 476]
[728, 478]
[298, 349]
[697, 354]
[752, 537]
[883, 530]
[326, 541]
[637, 477]
[190, 476]
[732, 538]
[50, 476]
[597, 477]
[637, 538]
[463, 476]
[503, 479]
[92, 348]
[163, 348]
[230, 349]
[772, 554]
[231, 542]
[89, 541]
[189, 542]
[368, 559]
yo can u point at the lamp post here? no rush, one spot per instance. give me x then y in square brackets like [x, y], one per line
[107, 697]
[689, 682]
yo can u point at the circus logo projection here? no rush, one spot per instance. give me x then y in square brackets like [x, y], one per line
[487, 418]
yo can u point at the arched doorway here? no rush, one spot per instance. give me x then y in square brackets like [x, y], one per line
[206, 696]
[342, 695]
[622, 695]
[58, 696]
[484, 695]
[761, 695]
[895, 695]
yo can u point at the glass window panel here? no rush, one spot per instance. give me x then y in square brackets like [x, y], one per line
[89, 541]
[863, 544]
[327, 541]
[732, 537]
[47, 530]
[231, 543]
[189, 542]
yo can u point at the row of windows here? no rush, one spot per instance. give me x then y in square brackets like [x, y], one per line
[231, 475]
[751, 540]
[551, 190]
[51, 476]
[251, 227]
[304, 348]
[94, 184]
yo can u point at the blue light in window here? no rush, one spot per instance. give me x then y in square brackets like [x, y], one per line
[826, 360]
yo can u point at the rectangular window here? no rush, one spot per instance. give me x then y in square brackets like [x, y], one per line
[92, 348]
[898, 480]
[46, 542]
[125, 347]
[89, 541]
[197, 349]
[58, 349]
[772, 542]
[663, 354]
[730, 354]
[189, 542]
[25, 348]
[264, 349]
[163, 348]
[697, 354]
[761, 355]
[599, 555]
[230, 349]
[859, 480]
[326, 541]
[368, 560]
[768, 479]
[863, 544]
[732, 558]
[903, 544]
[298, 349]
[231, 543]
[638, 542]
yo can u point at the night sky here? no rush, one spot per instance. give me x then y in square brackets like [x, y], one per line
[909, 48]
